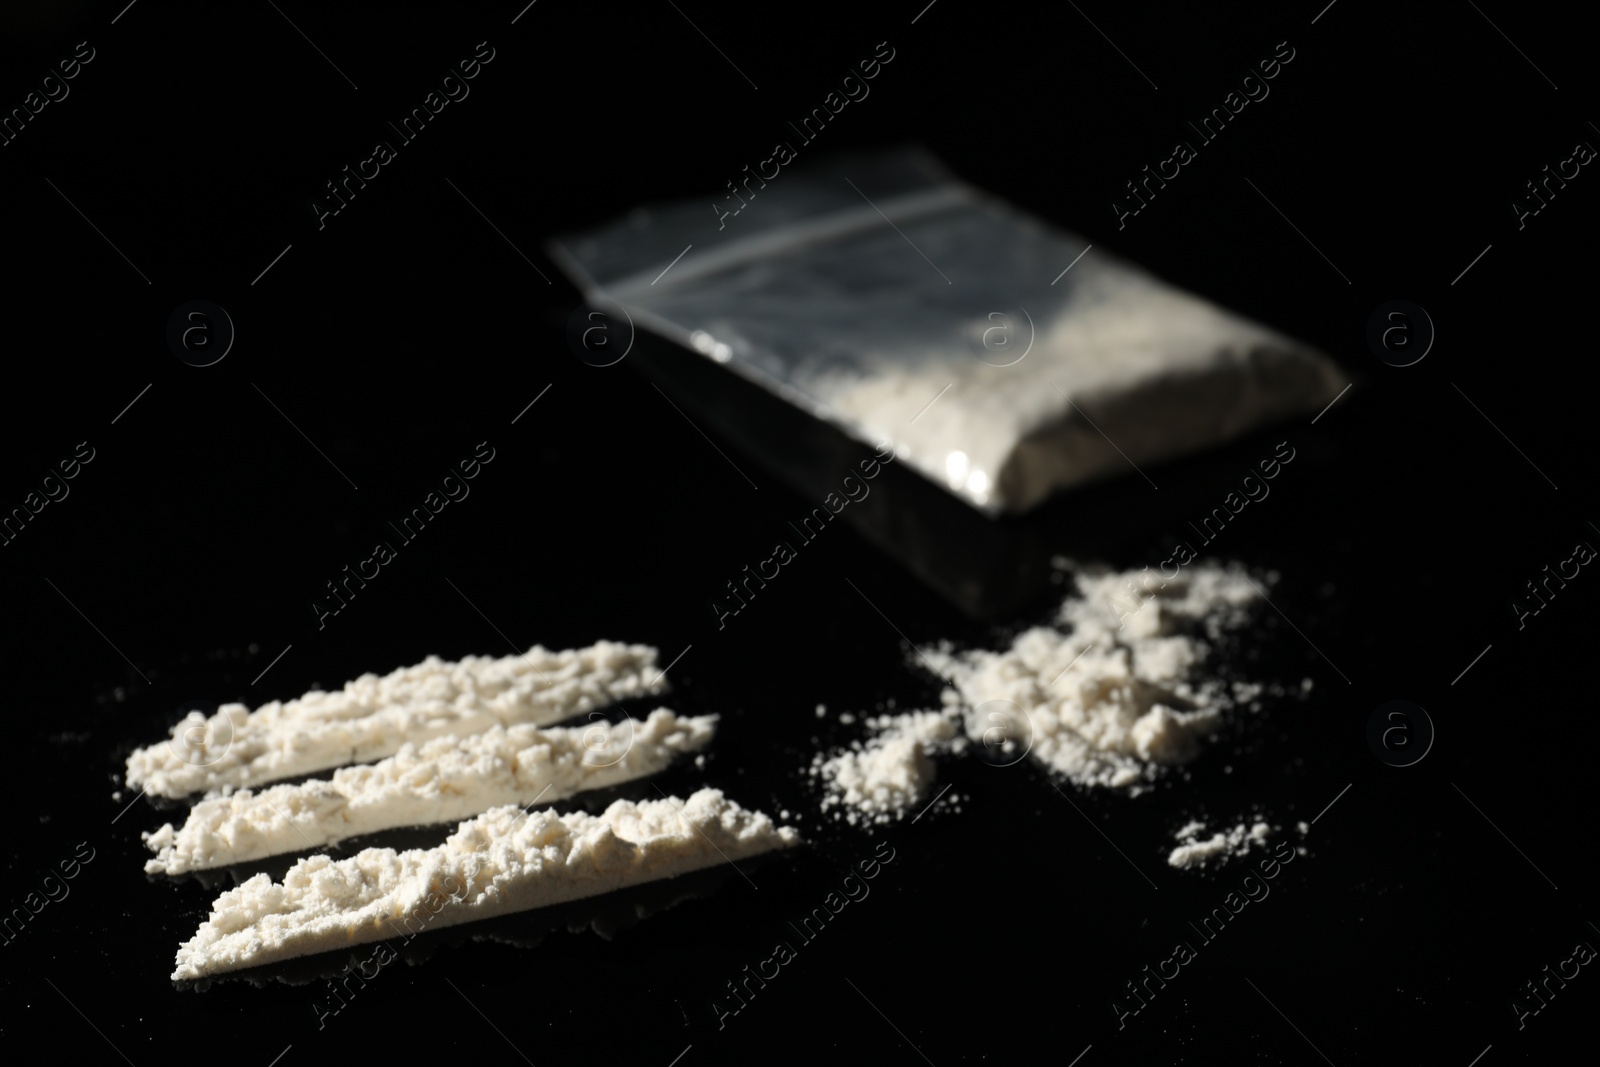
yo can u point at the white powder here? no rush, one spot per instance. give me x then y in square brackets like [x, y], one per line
[1235, 842]
[879, 780]
[1121, 357]
[371, 717]
[1117, 688]
[501, 862]
[441, 781]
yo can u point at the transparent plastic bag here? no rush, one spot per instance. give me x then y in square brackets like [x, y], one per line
[1003, 358]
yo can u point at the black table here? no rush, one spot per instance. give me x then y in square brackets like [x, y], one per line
[378, 346]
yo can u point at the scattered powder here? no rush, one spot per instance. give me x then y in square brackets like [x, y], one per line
[1116, 689]
[441, 781]
[501, 862]
[371, 717]
[880, 779]
[1235, 842]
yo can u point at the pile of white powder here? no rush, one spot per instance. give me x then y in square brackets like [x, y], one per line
[1119, 685]
[879, 779]
[1196, 850]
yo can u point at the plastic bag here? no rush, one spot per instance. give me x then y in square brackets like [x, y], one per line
[1003, 358]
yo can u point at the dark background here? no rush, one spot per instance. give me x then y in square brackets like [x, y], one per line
[408, 330]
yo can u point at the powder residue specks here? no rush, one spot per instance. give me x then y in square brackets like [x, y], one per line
[1118, 685]
[880, 779]
[1197, 849]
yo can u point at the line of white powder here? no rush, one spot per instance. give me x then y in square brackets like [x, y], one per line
[441, 781]
[501, 862]
[372, 716]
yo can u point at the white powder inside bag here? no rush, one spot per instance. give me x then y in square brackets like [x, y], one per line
[880, 779]
[1118, 686]
[501, 862]
[1121, 357]
[1197, 850]
[441, 781]
[371, 717]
